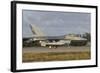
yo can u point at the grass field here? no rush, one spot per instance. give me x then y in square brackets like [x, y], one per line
[55, 56]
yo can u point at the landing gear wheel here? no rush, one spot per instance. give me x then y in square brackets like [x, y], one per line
[49, 46]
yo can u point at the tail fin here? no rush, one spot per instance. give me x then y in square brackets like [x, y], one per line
[36, 30]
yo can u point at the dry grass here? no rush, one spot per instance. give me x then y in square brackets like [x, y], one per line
[54, 56]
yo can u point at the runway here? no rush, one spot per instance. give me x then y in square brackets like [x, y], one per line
[58, 49]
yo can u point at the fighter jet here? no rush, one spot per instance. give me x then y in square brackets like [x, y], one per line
[54, 41]
[50, 41]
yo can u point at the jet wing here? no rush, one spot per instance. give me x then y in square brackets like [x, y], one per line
[57, 43]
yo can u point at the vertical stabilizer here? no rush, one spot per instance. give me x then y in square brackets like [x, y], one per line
[36, 30]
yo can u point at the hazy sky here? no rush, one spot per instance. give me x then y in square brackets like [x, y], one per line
[54, 23]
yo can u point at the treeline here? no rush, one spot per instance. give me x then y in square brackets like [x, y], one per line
[87, 36]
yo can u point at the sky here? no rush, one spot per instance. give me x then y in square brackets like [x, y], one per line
[55, 23]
